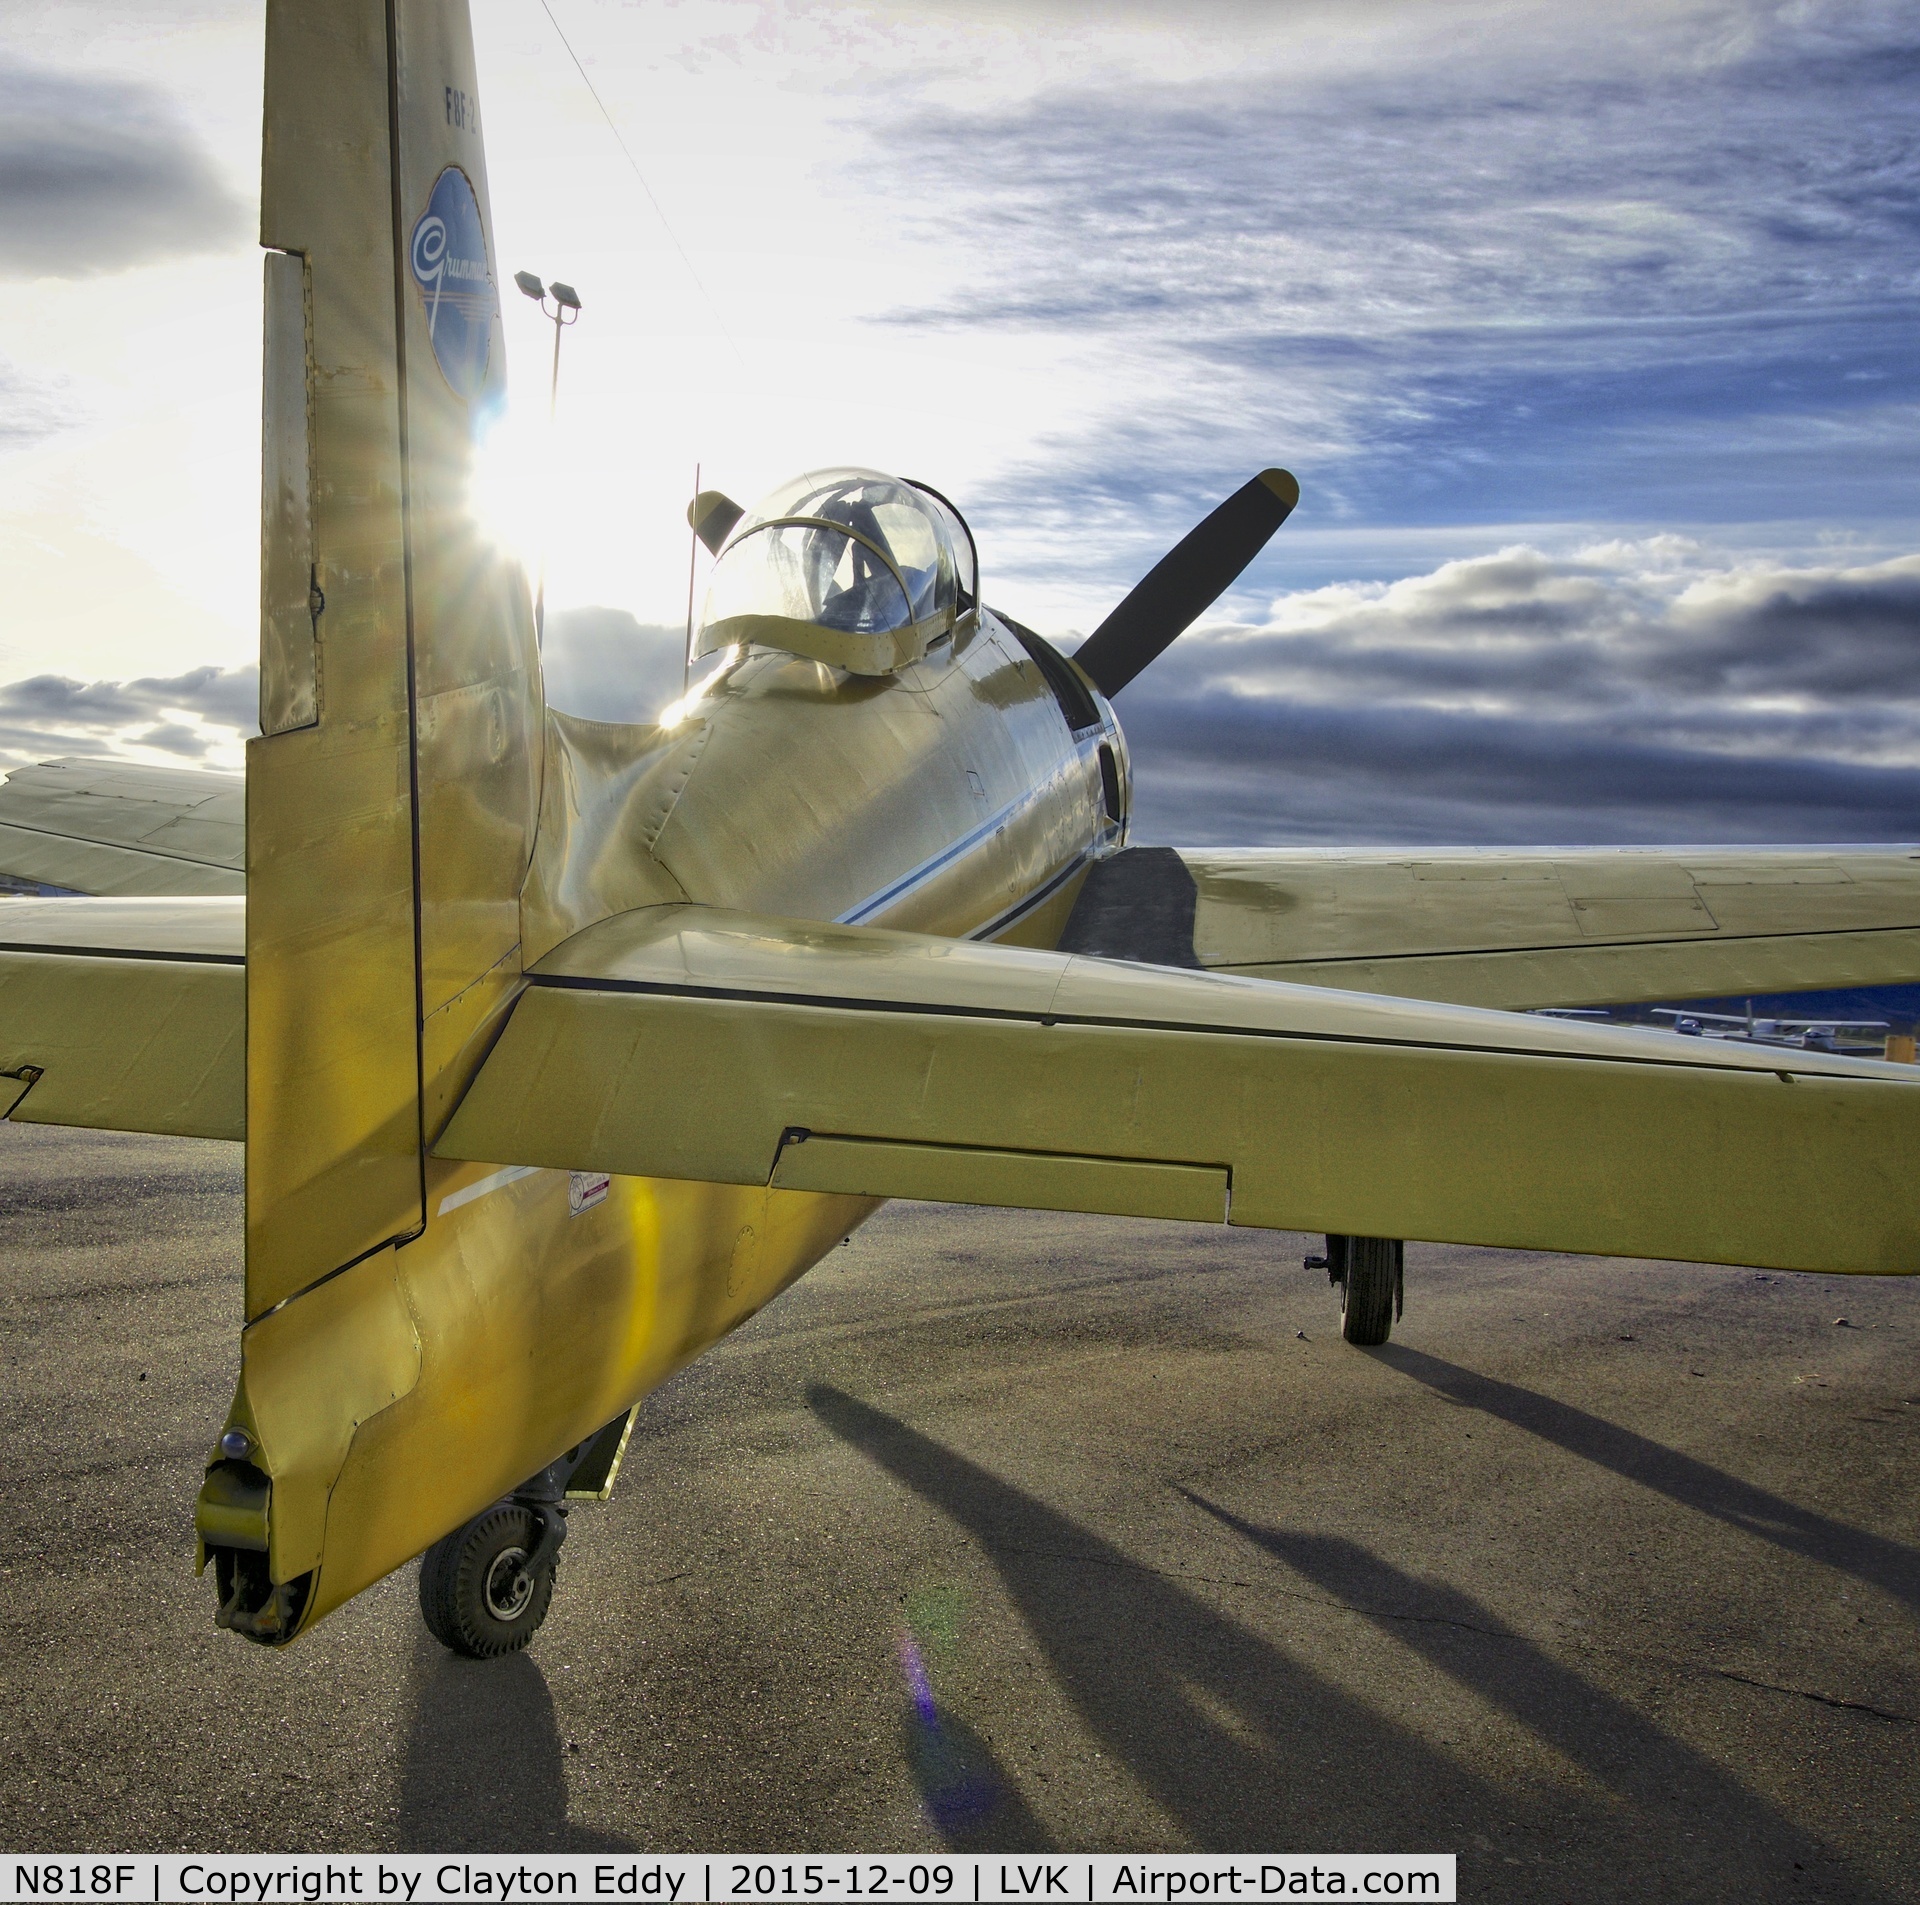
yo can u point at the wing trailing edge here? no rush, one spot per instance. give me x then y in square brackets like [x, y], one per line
[125, 1015]
[687, 1042]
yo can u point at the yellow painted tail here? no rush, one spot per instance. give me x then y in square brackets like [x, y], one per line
[393, 795]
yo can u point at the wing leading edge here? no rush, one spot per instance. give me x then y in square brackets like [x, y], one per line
[687, 1042]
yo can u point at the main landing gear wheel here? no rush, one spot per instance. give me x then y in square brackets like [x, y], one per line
[1371, 1273]
[485, 1588]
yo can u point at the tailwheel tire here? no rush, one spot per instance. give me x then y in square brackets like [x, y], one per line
[1371, 1289]
[478, 1595]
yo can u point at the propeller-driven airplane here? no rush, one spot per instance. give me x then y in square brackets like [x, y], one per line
[1813, 1035]
[560, 1047]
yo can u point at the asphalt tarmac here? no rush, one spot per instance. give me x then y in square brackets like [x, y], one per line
[1007, 1531]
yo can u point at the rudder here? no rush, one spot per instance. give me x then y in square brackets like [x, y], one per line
[393, 795]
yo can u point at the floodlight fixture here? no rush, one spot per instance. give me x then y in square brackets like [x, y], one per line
[560, 303]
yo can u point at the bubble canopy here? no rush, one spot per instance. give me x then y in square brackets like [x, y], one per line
[850, 567]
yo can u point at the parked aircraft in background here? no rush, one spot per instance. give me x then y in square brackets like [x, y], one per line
[1866, 1036]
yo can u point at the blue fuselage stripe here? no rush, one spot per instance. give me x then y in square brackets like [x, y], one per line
[925, 871]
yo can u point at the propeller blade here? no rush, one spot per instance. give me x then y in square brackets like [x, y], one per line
[711, 516]
[1186, 581]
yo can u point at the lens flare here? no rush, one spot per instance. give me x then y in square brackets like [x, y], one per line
[955, 1792]
[677, 711]
[918, 1685]
[506, 498]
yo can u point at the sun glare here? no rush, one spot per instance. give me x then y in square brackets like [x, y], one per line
[677, 711]
[505, 494]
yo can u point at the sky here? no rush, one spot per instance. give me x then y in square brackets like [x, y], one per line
[1589, 333]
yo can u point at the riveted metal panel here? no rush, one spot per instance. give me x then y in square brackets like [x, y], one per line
[289, 598]
[704, 1045]
[478, 722]
[333, 1168]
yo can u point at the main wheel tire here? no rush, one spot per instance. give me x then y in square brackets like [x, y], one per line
[477, 1595]
[1372, 1281]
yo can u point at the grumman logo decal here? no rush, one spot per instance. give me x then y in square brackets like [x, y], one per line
[449, 257]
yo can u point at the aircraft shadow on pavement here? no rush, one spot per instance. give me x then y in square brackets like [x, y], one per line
[1241, 1745]
[485, 1769]
[1246, 1748]
[1615, 1744]
[1874, 1559]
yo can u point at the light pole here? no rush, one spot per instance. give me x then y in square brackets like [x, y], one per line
[565, 309]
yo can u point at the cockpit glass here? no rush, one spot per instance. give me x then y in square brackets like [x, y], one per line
[961, 542]
[807, 573]
[846, 549]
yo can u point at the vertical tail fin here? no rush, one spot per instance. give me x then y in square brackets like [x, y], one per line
[393, 795]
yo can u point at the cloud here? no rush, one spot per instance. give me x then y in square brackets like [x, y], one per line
[99, 174]
[1632, 692]
[597, 662]
[1640, 267]
[1219, 773]
[202, 717]
[30, 408]
[602, 663]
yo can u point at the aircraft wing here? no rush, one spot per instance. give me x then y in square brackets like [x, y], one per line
[1518, 928]
[116, 828]
[688, 1042]
[126, 1015]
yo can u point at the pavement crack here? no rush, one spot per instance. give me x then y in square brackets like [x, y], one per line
[1427, 1620]
[1822, 1699]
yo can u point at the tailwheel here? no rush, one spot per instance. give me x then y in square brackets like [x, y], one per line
[1371, 1273]
[485, 1588]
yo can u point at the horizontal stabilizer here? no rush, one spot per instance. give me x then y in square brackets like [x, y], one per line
[688, 1042]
